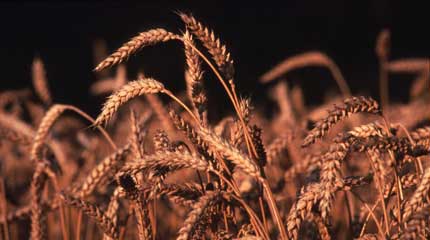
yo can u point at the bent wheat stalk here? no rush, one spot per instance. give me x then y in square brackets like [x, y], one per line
[306, 60]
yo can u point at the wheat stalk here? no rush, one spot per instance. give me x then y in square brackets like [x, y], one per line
[304, 60]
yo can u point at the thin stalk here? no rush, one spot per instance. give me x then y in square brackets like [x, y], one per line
[4, 209]
[78, 225]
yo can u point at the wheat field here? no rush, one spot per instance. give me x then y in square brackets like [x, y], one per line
[152, 165]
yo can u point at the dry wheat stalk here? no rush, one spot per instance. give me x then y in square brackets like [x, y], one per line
[144, 39]
[413, 65]
[351, 105]
[94, 212]
[127, 92]
[304, 60]
[40, 82]
[197, 213]
[218, 51]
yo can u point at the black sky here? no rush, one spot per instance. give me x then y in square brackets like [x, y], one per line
[258, 34]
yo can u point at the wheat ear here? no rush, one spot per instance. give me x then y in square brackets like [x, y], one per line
[125, 93]
[108, 166]
[218, 51]
[194, 79]
[231, 153]
[351, 105]
[144, 39]
[40, 82]
[94, 212]
[416, 201]
[196, 215]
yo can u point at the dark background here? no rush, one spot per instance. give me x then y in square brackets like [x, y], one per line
[259, 35]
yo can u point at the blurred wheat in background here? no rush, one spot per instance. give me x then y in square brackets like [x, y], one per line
[152, 165]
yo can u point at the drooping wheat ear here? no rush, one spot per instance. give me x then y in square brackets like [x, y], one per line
[396, 144]
[194, 79]
[256, 137]
[191, 134]
[144, 39]
[197, 214]
[45, 125]
[127, 92]
[38, 218]
[351, 105]
[233, 154]
[107, 167]
[418, 199]
[364, 131]
[278, 145]
[40, 82]
[218, 51]
[416, 227]
[93, 212]
[302, 208]
[161, 142]
[307, 60]
[165, 160]
[330, 176]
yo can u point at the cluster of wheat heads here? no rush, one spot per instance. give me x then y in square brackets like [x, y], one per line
[156, 172]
